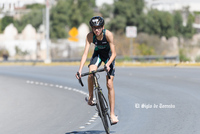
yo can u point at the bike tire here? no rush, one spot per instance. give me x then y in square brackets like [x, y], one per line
[102, 109]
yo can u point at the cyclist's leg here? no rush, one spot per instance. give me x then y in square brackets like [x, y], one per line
[90, 84]
[111, 96]
[111, 93]
[94, 64]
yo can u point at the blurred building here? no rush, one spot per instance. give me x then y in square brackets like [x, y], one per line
[17, 8]
[29, 41]
[172, 5]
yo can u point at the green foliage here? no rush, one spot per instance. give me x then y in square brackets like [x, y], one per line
[197, 59]
[154, 22]
[71, 13]
[145, 50]
[189, 31]
[182, 56]
[68, 14]
[178, 23]
[118, 24]
[167, 25]
[127, 14]
[153, 41]
[5, 22]
[0, 26]
[34, 18]
[159, 25]
[106, 10]
[197, 12]
[35, 6]
[20, 52]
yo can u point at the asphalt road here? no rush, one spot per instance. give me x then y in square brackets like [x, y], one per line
[49, 100]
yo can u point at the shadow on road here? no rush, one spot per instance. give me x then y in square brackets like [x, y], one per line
[87, 132]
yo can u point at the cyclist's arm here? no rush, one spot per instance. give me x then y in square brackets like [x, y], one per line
[87, 46]
[110, 39]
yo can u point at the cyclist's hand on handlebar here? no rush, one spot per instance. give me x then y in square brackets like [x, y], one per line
[78, 76]
[108, 67]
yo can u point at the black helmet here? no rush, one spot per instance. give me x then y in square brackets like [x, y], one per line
[96, 21]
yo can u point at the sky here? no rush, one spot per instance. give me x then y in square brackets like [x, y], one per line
[100, 2]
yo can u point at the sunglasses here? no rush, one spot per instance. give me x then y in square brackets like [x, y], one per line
[99, 27]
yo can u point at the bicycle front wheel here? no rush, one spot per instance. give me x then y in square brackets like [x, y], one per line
[103, 110]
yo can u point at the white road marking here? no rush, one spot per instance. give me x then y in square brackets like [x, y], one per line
[68, 88]
[88, 123]
[81, 127]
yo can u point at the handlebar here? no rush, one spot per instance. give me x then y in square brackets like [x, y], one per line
[80, 81]
[93, 72]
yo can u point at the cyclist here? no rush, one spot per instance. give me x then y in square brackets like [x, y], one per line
[104, 51]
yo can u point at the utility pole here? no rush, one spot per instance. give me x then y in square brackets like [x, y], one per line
[48, 60]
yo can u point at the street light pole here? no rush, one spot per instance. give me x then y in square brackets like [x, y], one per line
[48, 60]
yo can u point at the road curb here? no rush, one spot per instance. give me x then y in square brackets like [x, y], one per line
[122, 64]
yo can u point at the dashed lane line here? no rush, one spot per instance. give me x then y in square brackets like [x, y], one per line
[93, 118]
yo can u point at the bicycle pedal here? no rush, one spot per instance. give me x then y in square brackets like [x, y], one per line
[93, 103]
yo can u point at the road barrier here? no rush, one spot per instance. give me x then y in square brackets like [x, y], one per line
[118, 58]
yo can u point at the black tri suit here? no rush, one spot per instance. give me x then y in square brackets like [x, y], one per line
[102, 52]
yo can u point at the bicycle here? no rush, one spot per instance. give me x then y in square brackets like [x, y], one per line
[101, 103]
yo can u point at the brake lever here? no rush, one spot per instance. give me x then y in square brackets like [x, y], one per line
[107, 71]
[80, 81]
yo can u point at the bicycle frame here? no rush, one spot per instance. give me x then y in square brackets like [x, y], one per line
[98, 88]
[95, 81]
[101, 103]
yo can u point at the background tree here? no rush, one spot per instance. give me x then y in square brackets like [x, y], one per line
[35, 6]
[0, 26]
[127, 13]
[159, 25]
[153, 25]
[106, 10]
[5, 21]
[68, 14]
[156, 22]
[34, 17]
[189, 31]
[178, 23]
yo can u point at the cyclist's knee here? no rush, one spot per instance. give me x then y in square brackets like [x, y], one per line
[92, 68]
[109, 84]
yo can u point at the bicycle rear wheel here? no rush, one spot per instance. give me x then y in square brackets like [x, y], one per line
[102, 109]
